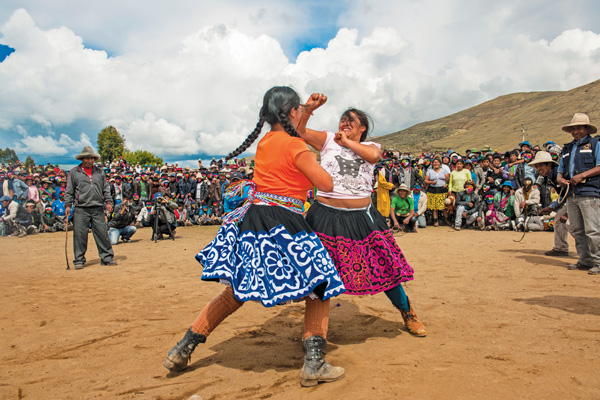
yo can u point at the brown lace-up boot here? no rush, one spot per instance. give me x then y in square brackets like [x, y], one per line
[412, 322]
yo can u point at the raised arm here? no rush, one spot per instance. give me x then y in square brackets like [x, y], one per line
[314, 138]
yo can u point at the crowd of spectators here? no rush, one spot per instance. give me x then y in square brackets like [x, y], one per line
[33, 199]
[482, 189]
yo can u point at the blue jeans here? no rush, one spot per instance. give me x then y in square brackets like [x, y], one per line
[125, 233]
[584, 220]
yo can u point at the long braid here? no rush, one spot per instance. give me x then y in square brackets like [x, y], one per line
[249, 140]
[286, 124]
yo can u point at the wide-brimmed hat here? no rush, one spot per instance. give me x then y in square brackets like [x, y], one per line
[403, 187]
[542, 157]
[87, 151]
[580, 119]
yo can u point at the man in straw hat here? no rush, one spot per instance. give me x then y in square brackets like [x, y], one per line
[547, 168]
[579, 167]
[88, 190]
[402, 209]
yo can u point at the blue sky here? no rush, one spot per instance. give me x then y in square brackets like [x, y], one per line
[185, 79]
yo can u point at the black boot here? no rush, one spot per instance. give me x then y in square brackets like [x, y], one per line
[179, 356]
[315, 368]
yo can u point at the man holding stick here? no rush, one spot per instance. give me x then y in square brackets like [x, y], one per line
[88, 190]
[579, 168]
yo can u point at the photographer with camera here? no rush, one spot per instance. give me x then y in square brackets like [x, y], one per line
[162, 217]
[122, 224]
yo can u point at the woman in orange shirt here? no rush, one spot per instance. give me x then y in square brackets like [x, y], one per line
[265, 251]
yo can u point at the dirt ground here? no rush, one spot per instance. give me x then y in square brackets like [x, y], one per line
[503, 320]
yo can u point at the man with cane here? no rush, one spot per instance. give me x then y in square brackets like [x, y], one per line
[88, 191]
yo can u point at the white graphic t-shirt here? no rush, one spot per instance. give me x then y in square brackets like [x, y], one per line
[352, 176]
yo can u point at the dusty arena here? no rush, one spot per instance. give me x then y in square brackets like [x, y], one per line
[504, 321]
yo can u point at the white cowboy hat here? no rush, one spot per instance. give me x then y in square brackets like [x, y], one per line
[542, 157]
[87, 151]
[580, 119]
[403, 187]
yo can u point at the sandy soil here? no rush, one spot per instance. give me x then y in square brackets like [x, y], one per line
[504, 322]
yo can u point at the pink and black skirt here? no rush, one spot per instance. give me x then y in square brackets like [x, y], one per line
[361, 246]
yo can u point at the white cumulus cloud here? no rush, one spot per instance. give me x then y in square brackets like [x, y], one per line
[201, 93]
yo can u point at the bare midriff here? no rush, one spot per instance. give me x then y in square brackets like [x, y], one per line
[345, 203]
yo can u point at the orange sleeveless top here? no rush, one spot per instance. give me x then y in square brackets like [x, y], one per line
[275, 168]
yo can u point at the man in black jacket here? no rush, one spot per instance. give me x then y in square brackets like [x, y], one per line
[88, 191]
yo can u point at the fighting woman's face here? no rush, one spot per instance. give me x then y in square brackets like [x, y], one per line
[351, 127]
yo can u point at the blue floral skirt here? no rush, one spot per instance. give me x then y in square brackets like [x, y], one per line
[271, 256]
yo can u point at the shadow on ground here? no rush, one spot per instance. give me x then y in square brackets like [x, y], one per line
[576, 305]
[263, 349]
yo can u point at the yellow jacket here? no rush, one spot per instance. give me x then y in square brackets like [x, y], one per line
[383, 195]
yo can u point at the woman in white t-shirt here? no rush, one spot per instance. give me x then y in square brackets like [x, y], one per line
[354, 233]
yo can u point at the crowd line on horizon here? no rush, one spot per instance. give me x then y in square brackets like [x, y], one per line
[481, 189]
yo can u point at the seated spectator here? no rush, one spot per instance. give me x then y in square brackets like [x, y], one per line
[182, 216]
[504, 200]
[136, 204]
[35, 218]
[50, 222]
[527, 207]
[143, 217]
[402, 209]
[205, 216]
[493, 218]
[122, 224]
[468, 207]
[16, 220]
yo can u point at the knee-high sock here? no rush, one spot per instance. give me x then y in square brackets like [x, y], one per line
[316, 318]
[215, 312]
[398, 297]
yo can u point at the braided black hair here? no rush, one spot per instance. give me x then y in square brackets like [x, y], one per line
[287, 125]
[277, 104]
[249, 140]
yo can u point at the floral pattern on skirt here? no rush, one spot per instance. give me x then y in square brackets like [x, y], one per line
[436, 201]
[271, 267]
[368, 266]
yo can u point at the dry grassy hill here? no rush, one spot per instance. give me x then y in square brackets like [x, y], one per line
[497, 123]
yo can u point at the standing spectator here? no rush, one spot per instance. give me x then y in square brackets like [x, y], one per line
[458, 178]
[187, 187]
[420, 202]
[579, 167]
[21, 190]
[385, 184]
[88, 191]
[437, 192]
[547, 168]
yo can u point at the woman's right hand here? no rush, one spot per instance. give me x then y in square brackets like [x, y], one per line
[315, 101]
